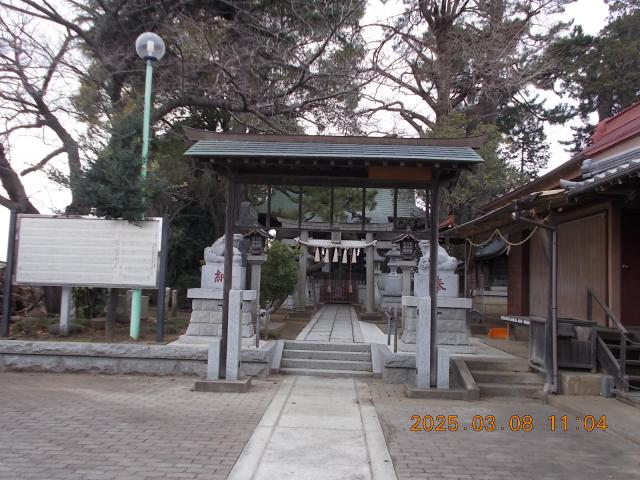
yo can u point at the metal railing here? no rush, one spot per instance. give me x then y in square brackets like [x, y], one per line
[616, 367]
[392, 326]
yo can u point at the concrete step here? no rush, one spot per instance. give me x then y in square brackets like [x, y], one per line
[508, 365]
[630, 348]
[325, 373]
[336, 347]
[304, 363]
[502, 390]
[327, 355]
[507, 378]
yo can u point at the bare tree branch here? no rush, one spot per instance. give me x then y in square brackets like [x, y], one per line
[43, 162]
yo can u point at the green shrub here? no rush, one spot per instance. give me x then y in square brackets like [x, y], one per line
[278, 274]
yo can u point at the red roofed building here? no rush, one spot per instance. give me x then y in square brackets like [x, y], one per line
[592, 204]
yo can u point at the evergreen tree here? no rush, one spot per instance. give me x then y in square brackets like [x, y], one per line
[111, 185]
[602, 72]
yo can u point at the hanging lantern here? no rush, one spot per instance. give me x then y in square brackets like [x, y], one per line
[353, 256]
[344, 256]
[316, 258]
[408, 244]
[335, 256]
[326, 255]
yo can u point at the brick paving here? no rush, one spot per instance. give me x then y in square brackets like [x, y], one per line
[469, 455]
[85, 427]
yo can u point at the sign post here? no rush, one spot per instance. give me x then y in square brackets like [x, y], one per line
[8, 274]
[92, 252]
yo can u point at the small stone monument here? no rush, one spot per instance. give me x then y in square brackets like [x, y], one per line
[205, 323]
[452, 326]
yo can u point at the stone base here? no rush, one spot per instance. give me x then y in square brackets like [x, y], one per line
[224, 386]
[206, 317]
[408, 336]
[196, 340]
[575, 382]
[391, 302]
[411, 391]
[375, 317]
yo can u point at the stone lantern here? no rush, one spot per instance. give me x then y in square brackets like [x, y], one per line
[408, 245]
[256, 258]
[257, 239]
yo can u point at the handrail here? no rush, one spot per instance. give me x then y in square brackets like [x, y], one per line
[624, 333]
[607, 311]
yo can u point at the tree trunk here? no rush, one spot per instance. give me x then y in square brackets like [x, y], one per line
[112, 307]
[19, 201]
[52, 298]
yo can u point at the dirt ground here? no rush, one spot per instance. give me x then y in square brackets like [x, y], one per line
[284, 325]
[93, 330]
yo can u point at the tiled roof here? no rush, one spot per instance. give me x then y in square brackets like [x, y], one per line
[599, 173]
[614, 130]
[391, 153]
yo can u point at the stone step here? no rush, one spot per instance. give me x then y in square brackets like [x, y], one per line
[327, 355]
[509, 365]
[325, 373]
[507, 378]
[336, 347]
[616, 346]
[502, 390]
[325, 364]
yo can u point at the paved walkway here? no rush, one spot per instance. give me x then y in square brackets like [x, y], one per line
[317, 428]
[333, 323]
[101, 427]
[540, 454]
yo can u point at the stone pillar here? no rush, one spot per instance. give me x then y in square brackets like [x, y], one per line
[423, 343]
[393, 282]
[213, 360]
[240, 303]
[256, 262]
[370, 275]
[378, 276]
[410, 319]
[67, 311]
[407, 267]
[233, 336]
[302, 274]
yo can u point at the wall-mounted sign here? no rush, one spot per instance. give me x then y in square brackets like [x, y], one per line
[86, 251]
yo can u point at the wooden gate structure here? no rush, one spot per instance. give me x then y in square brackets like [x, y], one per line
[356, 162]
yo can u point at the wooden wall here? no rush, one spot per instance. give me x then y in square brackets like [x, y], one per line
[538, 274]
[582, 263]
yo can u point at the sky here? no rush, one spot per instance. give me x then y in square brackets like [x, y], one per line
[49, 198]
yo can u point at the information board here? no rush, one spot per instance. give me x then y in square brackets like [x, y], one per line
[86, 251]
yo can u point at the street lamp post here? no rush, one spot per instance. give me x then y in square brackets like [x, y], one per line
[150, 47]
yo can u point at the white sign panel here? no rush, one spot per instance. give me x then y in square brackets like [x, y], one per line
[84, 251]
